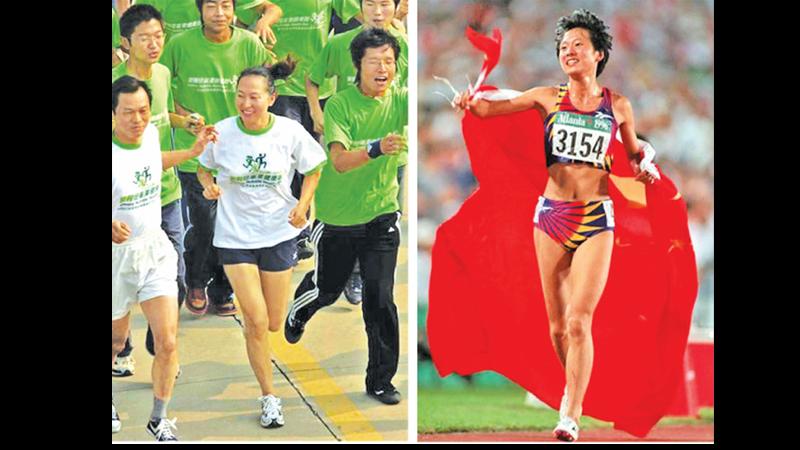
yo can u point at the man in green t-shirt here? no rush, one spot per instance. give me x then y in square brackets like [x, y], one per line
[302, 31]
[183, 15]
[335, 62]
[205, 64]
[142, 32]
[358, 214]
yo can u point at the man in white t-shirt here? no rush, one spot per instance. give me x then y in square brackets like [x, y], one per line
[143, 260]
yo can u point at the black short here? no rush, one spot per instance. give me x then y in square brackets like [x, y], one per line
[277, 258]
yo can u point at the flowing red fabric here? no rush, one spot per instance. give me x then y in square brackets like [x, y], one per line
[486, 307]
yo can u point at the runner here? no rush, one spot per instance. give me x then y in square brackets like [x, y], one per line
[143, 261]
[255, 159]
[358, 215]
[574, 219]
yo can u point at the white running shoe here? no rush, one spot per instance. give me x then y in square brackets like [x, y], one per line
[162, 429]
[124, 366]
[566, 430]
[116, 424]
[271, 412]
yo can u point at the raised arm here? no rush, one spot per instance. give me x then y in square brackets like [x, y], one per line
[312, 96]
[537, 98]
[204, 136]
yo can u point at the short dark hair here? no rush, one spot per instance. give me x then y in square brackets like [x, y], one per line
[128, 85]
[371, 38]
[278, 71]
[598, 33]
[135, 15]
[361, 3]
[199, 4]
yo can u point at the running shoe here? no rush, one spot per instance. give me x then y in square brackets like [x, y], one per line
[566, 430]
[293, 329]
[271, 412]
[387, 396]
[161, 429]
[224, 308]
[124, 366]
[197, 301]
[116, 424]
[354, 289]
[304, 249]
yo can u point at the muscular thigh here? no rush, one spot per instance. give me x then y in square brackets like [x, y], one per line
[590, 267]
[554, 268]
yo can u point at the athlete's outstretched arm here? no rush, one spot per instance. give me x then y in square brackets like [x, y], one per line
[535, 98]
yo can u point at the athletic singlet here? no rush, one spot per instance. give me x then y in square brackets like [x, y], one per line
[573, 136]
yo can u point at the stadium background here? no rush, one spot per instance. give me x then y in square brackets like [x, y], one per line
[662, 59]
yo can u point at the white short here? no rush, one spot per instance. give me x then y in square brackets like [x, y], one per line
[142, 269]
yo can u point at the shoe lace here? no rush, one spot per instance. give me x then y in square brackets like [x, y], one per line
[270, 405]
[164, 429]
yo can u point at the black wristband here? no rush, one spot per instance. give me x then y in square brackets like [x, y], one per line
[374, 149]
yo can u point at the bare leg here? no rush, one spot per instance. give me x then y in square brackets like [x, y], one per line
[276, 287]
[554, 268]
[162, 315]
[588, 277]
[246, 284]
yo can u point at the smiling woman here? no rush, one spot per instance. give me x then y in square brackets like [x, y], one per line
[567, 163]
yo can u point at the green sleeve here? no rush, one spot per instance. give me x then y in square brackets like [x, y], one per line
[319, 70]
[347, 9]
[336, 129]
[115, 39]
[259, 53]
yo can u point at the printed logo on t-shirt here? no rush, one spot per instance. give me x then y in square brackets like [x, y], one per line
[175, 28]
[301, 23]
[142, 177]
[149, 191]
[257, 178]
[255, 164]
[318, 18]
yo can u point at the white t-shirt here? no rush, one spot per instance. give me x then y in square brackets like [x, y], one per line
[136, 183]
[255, 173]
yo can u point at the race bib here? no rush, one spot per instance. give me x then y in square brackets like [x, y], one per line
[580, 137]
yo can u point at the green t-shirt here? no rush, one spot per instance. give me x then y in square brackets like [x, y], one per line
[204, 76]
[162, 104]
[303, 31]
[352, 119]
[179, 15]
[336, 60]
[115, 39]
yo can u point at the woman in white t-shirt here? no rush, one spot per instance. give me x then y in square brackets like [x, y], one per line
[258, 220]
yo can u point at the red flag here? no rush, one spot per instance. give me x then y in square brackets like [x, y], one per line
[486, 307]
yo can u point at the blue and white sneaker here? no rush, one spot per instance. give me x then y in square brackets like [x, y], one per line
[271, 412]
[162, 429]
[566, 430]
